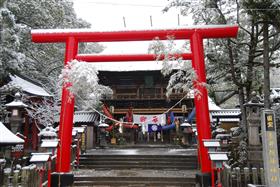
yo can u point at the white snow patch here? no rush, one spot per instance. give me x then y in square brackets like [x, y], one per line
[7, 137]
[59, 31]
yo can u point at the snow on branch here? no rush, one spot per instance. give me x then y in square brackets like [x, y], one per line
[83, 79]
[181, 73]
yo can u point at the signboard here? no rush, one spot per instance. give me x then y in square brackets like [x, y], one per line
[17, 151]
[270, 152]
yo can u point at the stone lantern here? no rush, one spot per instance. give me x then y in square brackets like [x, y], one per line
[16, 108]
[49, 141]
[102, 126]
[48, 132]
[253, 111]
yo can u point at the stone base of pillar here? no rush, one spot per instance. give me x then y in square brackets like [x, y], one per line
[203, 179]
[255, 156]
[62, 179]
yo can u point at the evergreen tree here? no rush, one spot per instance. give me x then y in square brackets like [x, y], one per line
[11, 59]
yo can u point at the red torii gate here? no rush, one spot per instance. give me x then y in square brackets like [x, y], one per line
[73, 36]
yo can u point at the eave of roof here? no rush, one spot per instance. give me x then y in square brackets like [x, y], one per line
[7, 137]
[28, 86]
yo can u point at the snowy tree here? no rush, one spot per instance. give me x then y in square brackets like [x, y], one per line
[43, 113]
[266, 14]
[41, 62]
[11, 59]
[5, 92]
[233, 64]
[180, 71]
[238, 64]
[45, 110]
[45, 61]
[84, 84]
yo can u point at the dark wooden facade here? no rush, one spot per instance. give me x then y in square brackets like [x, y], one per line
[143, 91]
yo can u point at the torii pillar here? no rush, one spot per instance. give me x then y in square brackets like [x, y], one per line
[195, 34]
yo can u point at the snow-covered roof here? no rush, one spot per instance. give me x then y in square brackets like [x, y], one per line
[212, 106]
[28, 86]
[16, 104]
[82, 117]
[212, 144]
[79, 129]
[226, 112]
[227, 119]
[49, 143]
[85, 117]
[7, 137]
[40, 157]
[218, 156]
[49, 131]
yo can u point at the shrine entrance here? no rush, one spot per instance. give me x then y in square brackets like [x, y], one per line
[72, 38]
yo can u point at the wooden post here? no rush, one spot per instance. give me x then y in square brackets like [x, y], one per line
[238, 177]
[262, 176]
[255, 175]
[6, 178]
[246, 176]
[24, 176]
[233, 178]
[227, 175]
[33, 177]
[15, 178]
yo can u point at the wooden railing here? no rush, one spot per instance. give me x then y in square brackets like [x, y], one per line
[141, 93]
[239, 177]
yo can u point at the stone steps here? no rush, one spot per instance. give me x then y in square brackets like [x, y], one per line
[138, 161]
[137, 181]
[149, 168]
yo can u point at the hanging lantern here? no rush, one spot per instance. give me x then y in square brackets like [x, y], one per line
[112, 109]
[184, 108]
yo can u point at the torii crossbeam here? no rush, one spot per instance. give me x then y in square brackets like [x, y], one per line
[74, 36]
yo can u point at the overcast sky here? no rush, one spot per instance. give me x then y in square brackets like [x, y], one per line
[110, 15]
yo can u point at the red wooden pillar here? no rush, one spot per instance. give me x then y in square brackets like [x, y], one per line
[34, 136]
[66, 114]
[26, 132]
[201, 101]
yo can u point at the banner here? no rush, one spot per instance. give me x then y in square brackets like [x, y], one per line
[154, 128]
[144, 120]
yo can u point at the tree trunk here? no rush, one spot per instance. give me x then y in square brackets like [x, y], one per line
[226, 97]
[242, 109]
[266, 81]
